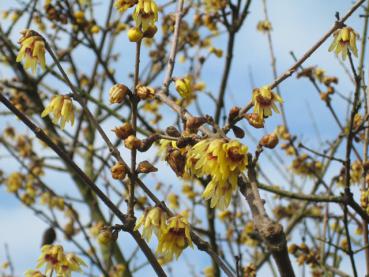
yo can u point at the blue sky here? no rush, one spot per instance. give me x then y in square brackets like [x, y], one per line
[297, 25]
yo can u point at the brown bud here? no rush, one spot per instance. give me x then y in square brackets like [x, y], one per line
[118, 171]
[233, 113]
[182, 142]
[194, 123]
[147, 143]
[238, 132]
[306, 72]
[144, 92]
[173, 132]
[330, 90]
[117, 93]
[255, 120]
[324, 96]
[132, 142]
[367, 179]
[146, 167]
[176, 160]
[123, 131]
[49, 236]
[269, 141]
[150, 32]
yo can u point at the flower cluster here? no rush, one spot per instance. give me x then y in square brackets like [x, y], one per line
[32, 50]
[344, 41]
[56, 260]
[222, 160]
[173, 233]
[61, 106]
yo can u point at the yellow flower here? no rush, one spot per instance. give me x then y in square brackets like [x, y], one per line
[123, 5]
[53, 256]
[14, 182]
[344, 40]
[264, 26]
[175, 238]
[32, 50]
[264, 101]
[62, 108]
[74, 262]
[184, 87]
[145, 14]
[223, 161]
[33, 273]
[153, 219]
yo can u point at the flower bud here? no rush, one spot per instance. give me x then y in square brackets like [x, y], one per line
[238, 132]
[176, 161]
[144, 92]
[233, 113]
[105, 236]
[69, 230]
[146, 167]
[150, 32]
[123, 131]
[255, 120]
[194, 123]
[117, 93]
[132, 142]
[173, 131]
[184, 87]
[134, 35]
[269, 141]
[148, 142]
[118, 171]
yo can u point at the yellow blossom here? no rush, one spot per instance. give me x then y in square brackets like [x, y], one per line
[153, 220]
[14, 182]
[264, 101]
[222, 160]
[53, 256]
[32, 50]
[184, 87]
[145, 14]
[123, 5]
[175, 238]
[72, 263]
[344, 40]
[264, 26]
[62, 108]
